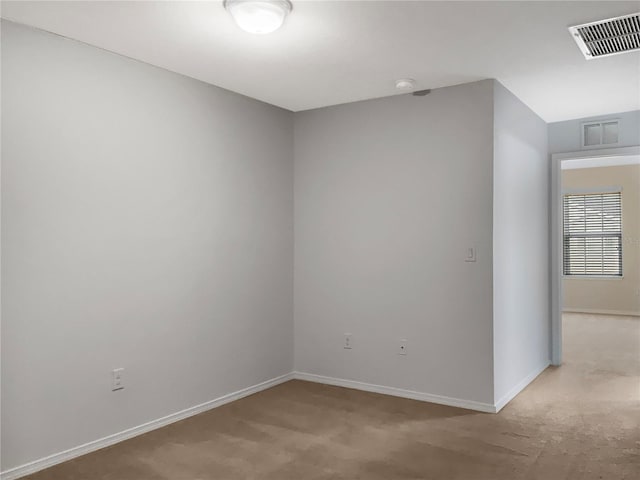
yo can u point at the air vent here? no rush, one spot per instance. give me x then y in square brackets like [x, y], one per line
[600, 133]
[608, 37]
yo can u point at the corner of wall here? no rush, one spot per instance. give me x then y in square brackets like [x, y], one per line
[520, 298]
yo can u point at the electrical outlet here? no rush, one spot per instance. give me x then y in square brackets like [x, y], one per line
[117, 380]
[402, 347]
[348, 341]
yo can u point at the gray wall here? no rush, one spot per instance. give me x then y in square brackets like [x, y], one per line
[521, 182]
[389, 193]
[146, 224]
[565, 136]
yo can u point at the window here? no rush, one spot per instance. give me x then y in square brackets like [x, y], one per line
[593, 234]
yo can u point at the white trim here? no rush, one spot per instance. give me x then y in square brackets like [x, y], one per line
[51, 460]
[556, 259]
[510, 395]
[397, 392]
[600, 311]
[599, 162]
[603, 152]
[594, 190]
[556, 237]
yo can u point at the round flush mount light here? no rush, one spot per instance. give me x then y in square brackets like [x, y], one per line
[259, 16]
[405, 84]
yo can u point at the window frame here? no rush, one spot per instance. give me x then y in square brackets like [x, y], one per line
[620, 235]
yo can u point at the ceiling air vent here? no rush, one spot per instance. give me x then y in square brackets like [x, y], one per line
[608, 37]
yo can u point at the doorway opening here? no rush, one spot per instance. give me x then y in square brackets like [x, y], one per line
[595, 236]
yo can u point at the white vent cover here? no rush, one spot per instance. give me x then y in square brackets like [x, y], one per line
[608, 37]
[600, 133]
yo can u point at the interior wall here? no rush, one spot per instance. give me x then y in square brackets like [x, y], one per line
[521, 293]
[610, 295]
[389, 194]
[566, 136]
[146, 224]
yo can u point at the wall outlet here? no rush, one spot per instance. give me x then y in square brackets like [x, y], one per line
[348, 341]
[402, 347]
[117, 379]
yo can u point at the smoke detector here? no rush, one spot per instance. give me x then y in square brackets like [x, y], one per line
[608, 37]
[405, 84]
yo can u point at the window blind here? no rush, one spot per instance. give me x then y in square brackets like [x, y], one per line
[593, 234]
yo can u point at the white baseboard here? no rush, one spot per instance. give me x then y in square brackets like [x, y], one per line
[510, 395]
[597, 311]
[74, 452]
[397, 392]
[51, 460]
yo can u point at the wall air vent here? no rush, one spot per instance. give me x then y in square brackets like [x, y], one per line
[608, 37]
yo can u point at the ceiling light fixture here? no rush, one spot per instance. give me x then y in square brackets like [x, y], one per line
[405, 84]
[258, 16]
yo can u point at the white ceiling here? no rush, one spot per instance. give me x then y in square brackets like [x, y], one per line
[332, 52]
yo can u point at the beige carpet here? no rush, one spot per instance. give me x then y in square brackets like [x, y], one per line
[580, 421]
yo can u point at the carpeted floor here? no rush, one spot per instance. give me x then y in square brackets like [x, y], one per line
[580, 421]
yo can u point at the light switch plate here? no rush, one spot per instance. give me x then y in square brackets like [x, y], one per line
[117, 380]
[470, 254]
